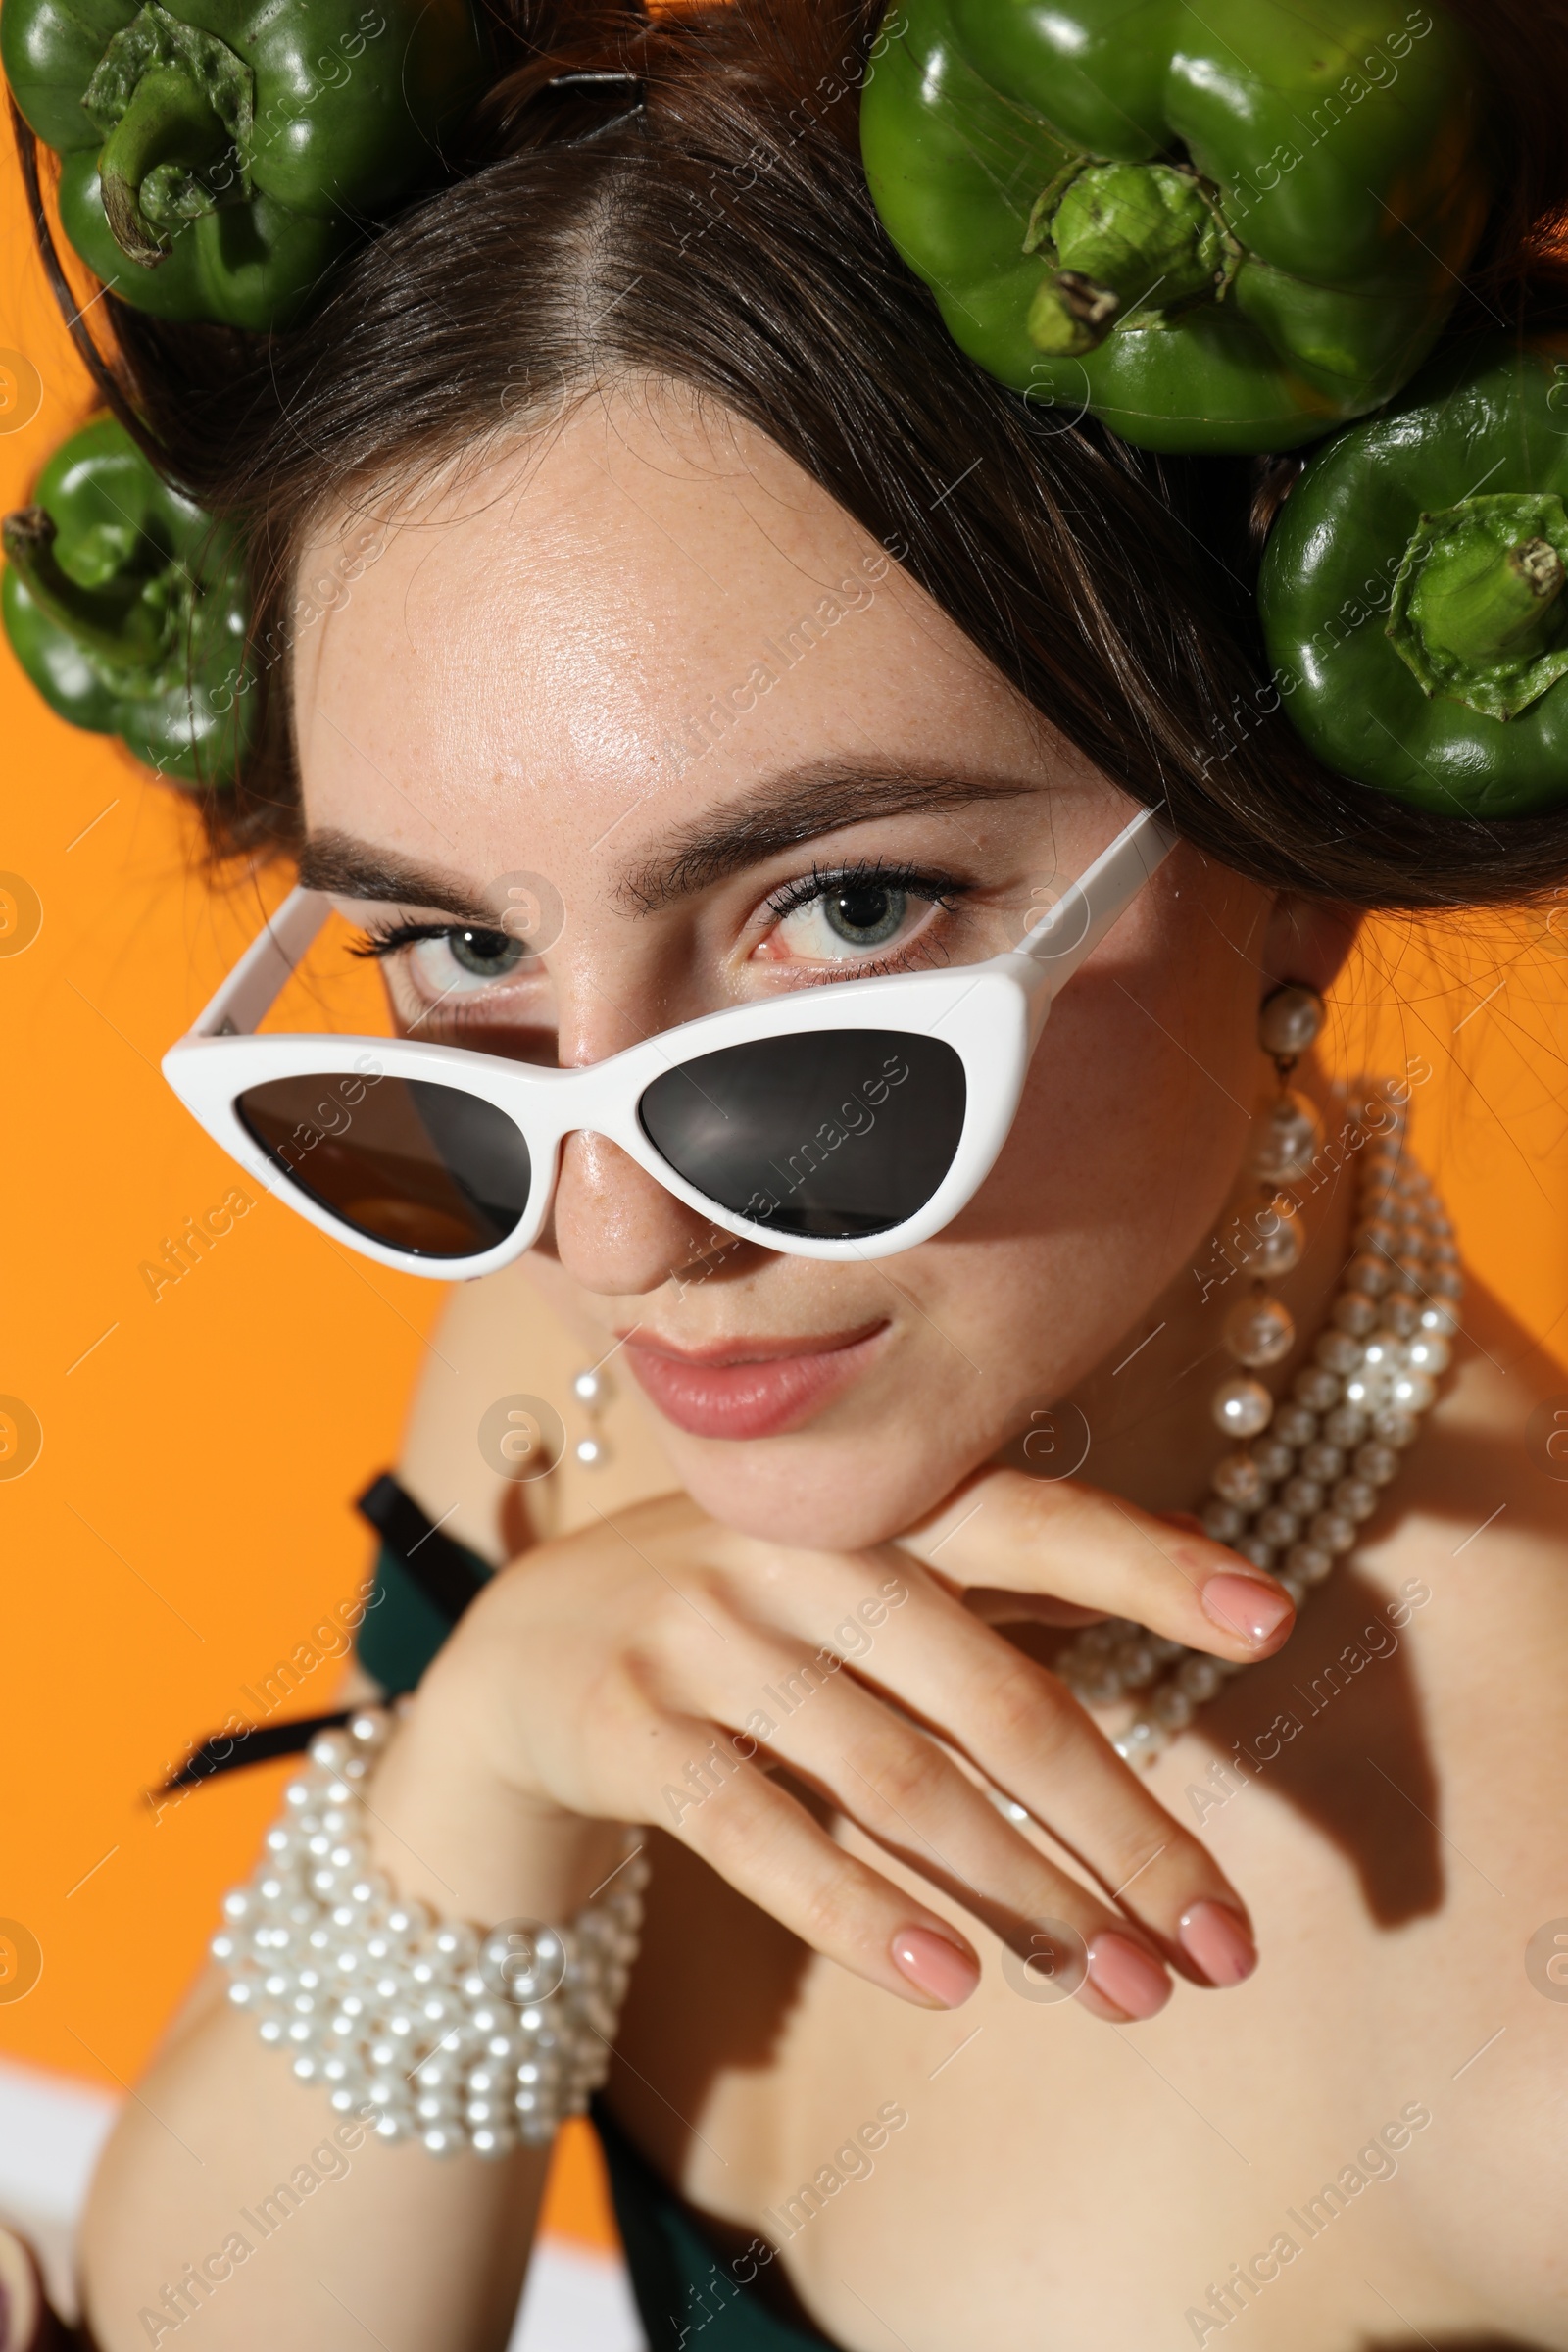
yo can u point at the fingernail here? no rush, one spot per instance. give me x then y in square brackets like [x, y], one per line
[1246, 1606]
[1215, 1940]
[942, 1972]
[1127, 1975]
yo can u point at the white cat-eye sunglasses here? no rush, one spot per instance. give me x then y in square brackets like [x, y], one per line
[847, 1120]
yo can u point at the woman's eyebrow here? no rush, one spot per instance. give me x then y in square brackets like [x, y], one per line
[801, 806]
[351, 868]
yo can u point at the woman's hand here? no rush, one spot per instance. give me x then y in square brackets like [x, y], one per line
[652, 1668]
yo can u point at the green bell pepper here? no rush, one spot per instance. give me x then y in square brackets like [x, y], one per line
[219, 157]
[129, 609]
[1411, 591]
[1218, 228]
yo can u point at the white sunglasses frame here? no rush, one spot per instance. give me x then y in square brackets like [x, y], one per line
[990, 1014]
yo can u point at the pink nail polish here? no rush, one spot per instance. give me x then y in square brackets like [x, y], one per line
[1215, 1940]
[1127, 1975]
[941, 1971]
[1246, 1606]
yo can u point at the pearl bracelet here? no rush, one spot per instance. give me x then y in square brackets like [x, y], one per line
[466, 2039]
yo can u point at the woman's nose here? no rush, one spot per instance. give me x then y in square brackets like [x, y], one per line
[616, 1231]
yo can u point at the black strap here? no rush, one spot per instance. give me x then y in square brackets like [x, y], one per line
[227, 1751]
[445, 1574]
[443, 1571]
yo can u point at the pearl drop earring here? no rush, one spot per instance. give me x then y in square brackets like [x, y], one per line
[592, 1392]
[1259, 1330]
[1294, 1501]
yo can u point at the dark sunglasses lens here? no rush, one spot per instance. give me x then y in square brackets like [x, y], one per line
[839, 1135]
[424, 1168]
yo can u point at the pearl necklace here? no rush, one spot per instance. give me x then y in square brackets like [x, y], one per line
[1292, 1500]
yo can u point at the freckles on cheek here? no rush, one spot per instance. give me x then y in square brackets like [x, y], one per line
[1125, 1146]
[1108, 1096]
[1167, 1045]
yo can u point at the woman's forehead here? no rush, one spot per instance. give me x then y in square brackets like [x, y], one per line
[641, 537]
[641, 612]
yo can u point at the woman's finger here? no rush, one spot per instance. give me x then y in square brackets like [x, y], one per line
[1079, 1544]
[872, 1736]
[883, 1772]
[1021, 1728]
[994, 1605]
[880, 1772]
[764, 1843]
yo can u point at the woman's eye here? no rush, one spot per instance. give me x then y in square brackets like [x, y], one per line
[847, 918]
[461, 961]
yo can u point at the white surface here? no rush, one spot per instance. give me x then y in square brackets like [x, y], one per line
[577, 2301]
[50, 2134]
[51, 2130]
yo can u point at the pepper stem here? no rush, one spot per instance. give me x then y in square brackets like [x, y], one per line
[168, 120]
[1478, 610]
[1131, 245]
[1499, 604]
[1070, 315]
[117, 624]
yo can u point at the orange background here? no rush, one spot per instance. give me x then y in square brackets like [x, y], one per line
[188, 1520]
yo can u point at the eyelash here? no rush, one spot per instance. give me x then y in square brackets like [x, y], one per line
[875, 873]
[395, 937]
[937, 890]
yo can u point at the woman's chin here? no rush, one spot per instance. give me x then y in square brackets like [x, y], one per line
[817, 1497]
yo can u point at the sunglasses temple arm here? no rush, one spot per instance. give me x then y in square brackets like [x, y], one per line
[1069, 934]
[257, 980]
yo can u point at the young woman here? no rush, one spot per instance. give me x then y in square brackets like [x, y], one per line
[703, 593]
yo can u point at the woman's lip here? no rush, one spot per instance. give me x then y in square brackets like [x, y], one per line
[748, 1388]
[751, 1351]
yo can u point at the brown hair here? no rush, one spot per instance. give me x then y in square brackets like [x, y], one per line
[688, 204]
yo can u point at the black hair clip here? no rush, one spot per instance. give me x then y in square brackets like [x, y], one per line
[566, 81]
[590, 78]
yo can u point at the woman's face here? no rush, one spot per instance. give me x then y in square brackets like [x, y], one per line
[647, 663]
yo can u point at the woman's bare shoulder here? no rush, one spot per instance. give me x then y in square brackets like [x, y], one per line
[1480, 1525]
[1497, 1442]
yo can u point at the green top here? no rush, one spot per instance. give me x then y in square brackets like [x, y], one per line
[403, 1628]
[688, 2293]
